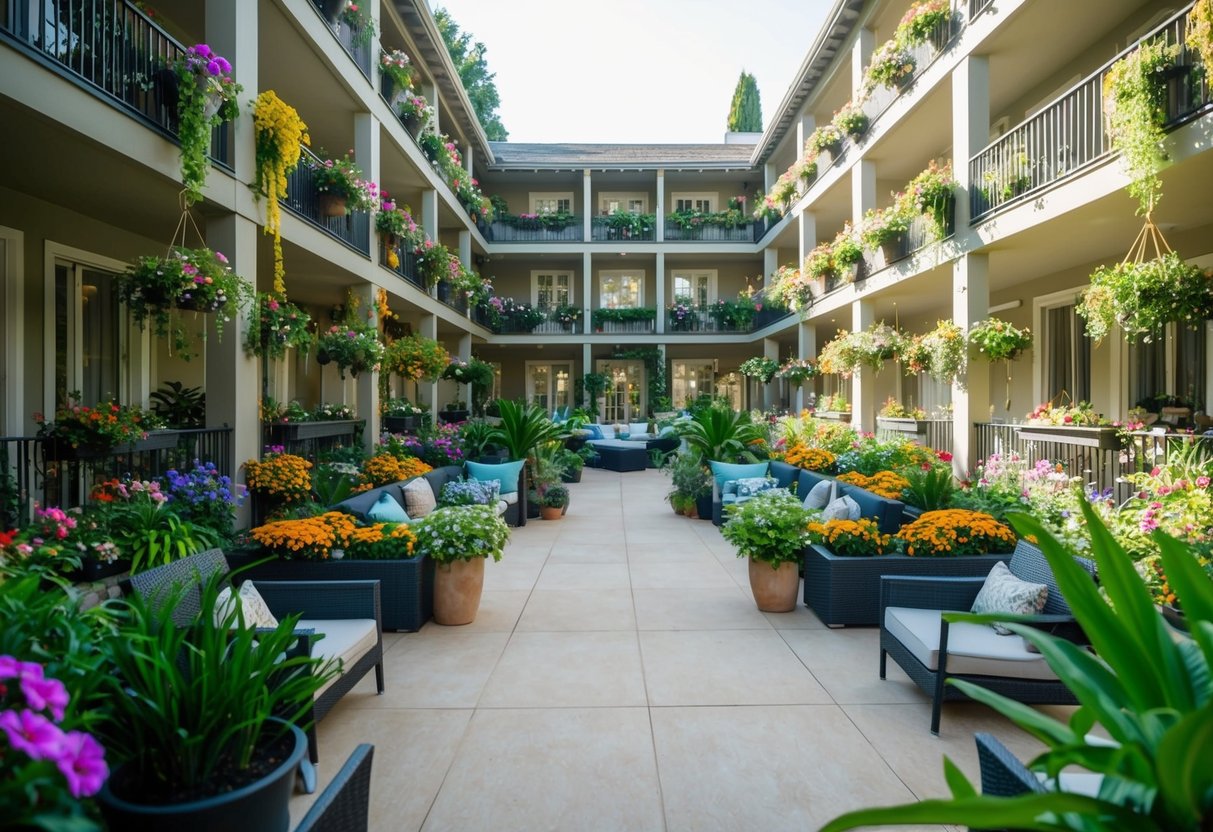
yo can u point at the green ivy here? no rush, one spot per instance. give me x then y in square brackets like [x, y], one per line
[654, 367]
[1135, 102]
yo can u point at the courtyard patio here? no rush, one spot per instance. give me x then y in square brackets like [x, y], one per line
[618, 676]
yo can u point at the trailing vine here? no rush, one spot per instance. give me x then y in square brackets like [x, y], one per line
[281, 135]
[1200, 32]
[654, 367]
[1135, 106]
[204, 82]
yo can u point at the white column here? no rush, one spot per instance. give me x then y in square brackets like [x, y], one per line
[468, 152]
[465, 353]
[660, 277]
[971, 395]
[233, 378]
[660, 208]
[429, 213]
[587, 292]
[430, 91]
[770, 262]
[587, 205]
[805, 125]
[806, 347]
[465, 248]
[861, 53]
[427, 392]
[806, 235]
[970, 125]
[231, 30]
[366, 394]
[863, 190]
[770, 349]
[863, 383]
[769, 175]
[366, 152]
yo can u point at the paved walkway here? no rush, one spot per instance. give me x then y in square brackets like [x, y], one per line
[619, 677]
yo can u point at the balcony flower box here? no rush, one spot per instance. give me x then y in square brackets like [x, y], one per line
[845, 591]
[401, 424]
[157, 440]
[914, 427]
[833, 415]
[280, 433]
[1104, 438]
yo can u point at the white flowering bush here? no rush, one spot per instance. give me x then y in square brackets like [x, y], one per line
[771, 527]
[461, 533]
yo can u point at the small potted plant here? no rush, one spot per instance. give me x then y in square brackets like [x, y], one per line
[396, 70]
[848, 254]
[771, 531]
[886, 229]
[852, 121]
[897, 418]
[401, 416]
[555, 502]
[459, 539]
[355, 347]
[341, 187]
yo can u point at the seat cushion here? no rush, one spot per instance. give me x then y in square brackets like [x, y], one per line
[506, 473]
[593, 432]
[418, 498]
[1080, 782]
[725, 471]
[820, 495]
[638, 427]
[347, 640]
[973, 649]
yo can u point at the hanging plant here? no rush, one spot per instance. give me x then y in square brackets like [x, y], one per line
[277, 325]
[416, 358]
[915, 356]
[850, 352]
[1200, 32]
[921, 20]
[932, 193]
[837, 358]
[946, 346]
[799, 370]
[851, 120]
[396, 66]
[892, 65]
[206, 97]
[1135, 109]
[759, 367]
[343, 180]
[280, 137]
[1143, 297]
[998, 340]
[355, 347]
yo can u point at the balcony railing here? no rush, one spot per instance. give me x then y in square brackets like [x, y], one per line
[304, 200]
[406, 264]
[924, 55]
[113, 50]
[514, 231]
[360, 52]
[719, 317]
[1068, 135]
[639, 326]
[750, 232]
[976, 7]
[608, 229]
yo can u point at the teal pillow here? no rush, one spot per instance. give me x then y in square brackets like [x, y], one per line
[726, 471]
[506, 473]
[387, 510]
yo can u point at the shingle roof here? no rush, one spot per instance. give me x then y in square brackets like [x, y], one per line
[521, 156]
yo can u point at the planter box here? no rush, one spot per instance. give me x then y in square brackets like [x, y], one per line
[58, 451]
[452, 416]
[279, 433]
[401, 424]
[157, 440]
[1103, 438]
[833, 416]
[846, 591]
[897, 425]
[406, 586]
[92, 570]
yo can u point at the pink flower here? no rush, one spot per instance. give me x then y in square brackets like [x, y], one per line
[82, 761]
[41, 694]
[1202, 482]
[219, 256]
[32, 733]
[11, 668]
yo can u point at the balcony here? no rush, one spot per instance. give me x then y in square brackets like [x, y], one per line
[624, 227]
[921, 234]
[564, 228]
[924, 55]
[303, 200]
[358, 49]
[406, 264]
[625, 320]
[1068, 136]
[679, 229]
[111, 49]
[730, 317]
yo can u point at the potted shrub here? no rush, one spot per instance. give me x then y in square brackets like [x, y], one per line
[692, 483]
[555, 502]
[458, 539]
[573, 463]
[771, 530]
[886, 229]
[396, 71]
[341, 189]
[203, 722]
[352, 346]
[414, 111]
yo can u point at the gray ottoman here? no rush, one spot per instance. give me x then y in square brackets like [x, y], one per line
[621, 456]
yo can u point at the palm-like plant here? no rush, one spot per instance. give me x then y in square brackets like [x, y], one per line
[523, 426]
[721, 434]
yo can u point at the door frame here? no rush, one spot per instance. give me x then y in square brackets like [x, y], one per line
[12, 289]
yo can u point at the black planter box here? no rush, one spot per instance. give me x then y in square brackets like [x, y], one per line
[91, 570]
[846, 591]
[401, 424]
[279, 433]
[452, 416]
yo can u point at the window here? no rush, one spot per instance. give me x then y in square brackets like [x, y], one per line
[88, 346]
[620, 289]
[704, 202]
[613, 203]
[1065, 366]
[699, 286]
[551, 289]
[495, 391]
[624, 391]
[549, 385]
[691, 379]
[1174, 364]
[552, 203]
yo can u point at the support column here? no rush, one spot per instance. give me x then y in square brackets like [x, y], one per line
[770, 263]
[806, 239]
[971, 127]
[430, 91]
[427, 392]
[863, 383]
[366, 152]
[971, 394]
[660, 291]
[587, 292]
[805, 125]
[465, 248]
[806, 347]
[231, 30]
[233, 378]
[660, 208]
[768, 176]
[863, 190]
[861, 53]
[468, 152]
[770, 349]
[366, 392]
[465, 354]
[587, 206]
[429, 213]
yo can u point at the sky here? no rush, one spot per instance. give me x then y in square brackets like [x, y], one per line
[635, 70]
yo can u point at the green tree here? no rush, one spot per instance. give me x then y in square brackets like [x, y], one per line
[473, 69]
[745, 113]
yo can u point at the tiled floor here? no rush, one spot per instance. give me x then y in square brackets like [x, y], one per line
[619, 677]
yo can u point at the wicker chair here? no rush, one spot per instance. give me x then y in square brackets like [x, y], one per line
[344, 805]
[909, 637]
[316, 602]
[1003, 775]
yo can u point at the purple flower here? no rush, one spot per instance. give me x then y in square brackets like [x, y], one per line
[202, 50]
[41, 694]
[224, 66]
[82, 761]
[212, 68]
[32, 733]
[11, 668]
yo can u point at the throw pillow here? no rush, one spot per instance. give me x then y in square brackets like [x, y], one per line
[248, 602]
[387, 510]
[725, 471]
[852, 508]
[820, 495]
[505, 473]
[470, 492]
[1003, 592]
[835, 510]
[593, 431]
[638, 427]
[752, 486]
[418, 498]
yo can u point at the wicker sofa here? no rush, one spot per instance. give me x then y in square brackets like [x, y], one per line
[514, 512]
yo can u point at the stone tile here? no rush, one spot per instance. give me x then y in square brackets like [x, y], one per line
[576, 550]
[801, 618]
[557, 670]
[846, 662]
[572, 610]
[577, 769]
[725, 667]
[511, 574]
[695, 575]
[766, 767]
[439, 667]
[583, 576]
[690, 552]
[499, 611]
[697, 609]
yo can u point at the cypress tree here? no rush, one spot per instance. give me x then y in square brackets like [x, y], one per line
[745, 113]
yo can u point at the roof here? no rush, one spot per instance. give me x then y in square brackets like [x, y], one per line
[550, 156]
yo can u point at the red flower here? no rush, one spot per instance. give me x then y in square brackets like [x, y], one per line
[7, 537]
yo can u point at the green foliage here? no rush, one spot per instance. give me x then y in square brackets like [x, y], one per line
[1148, 687]
[622, 314]
[745, 111]
[771, 527]
[331, 484]
[557, 496]
[523, 427]
[594, 384]
[691, 480]
[151, 534]
[461, 533]
[473, 69]
[1135, 103]
[1142, 297]
[722, 434]
[654, 369]
[759, 367]
[180, 406]
[930, 489]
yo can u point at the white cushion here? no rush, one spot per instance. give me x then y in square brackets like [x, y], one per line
[502, 505]
[1003, 592]
[820, 495]
[347, 640]
[638, 427]
[973, 649]
[608, 431]
[418, 498]
[853, 509]
[508, 499]
[1085, 782]
[843, 508]
[250, 603]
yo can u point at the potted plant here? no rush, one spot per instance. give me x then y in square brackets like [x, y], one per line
[277, 325]
[1077, 423]
[415, 358]
[458, 539]
[341, 188]
[555, 502]
[573, 463]
[277, 482]
[760, 367]
[771, 531]
[692, 481]
[1142, 296]
[847, 252]
[897, 418]
[354, 346]
[401, 415]
[796, 371]
[852, 121]
[360, 22]
[90, 432]
[826, 138]
[886, 229]
[947, 351]
[396, 71]
[819, 263]
[398, 228]
[891, 66]
[185, 279]
[414, 111]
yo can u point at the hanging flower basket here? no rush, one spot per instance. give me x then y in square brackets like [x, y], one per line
[277, 325]
[354, 347]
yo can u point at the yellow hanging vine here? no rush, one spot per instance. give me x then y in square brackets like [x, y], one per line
[280, 137]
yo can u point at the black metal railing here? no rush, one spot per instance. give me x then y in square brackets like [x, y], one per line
[513, 326]
[113, 50]
[448, 294]
[510, 231]
[311, 440]
[924, 54]
[749, 232]
[921, 233]
[1068, 135]
[405, 264]
[37, 471]
[307, 202]
[604, 229]
[361, 52]
[976, 7]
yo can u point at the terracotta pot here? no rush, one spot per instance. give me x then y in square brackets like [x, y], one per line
[457, 588]
[331, 205]
[774, 590]
[551, 512]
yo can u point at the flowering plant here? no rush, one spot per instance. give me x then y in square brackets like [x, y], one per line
[44, 770]
[791, 287]
[1142, 297]
[436, 263]
[566, 315]
[809, 458]
[1079, 414]
[361, 24]
[998, 340]
[681, 314]
[846, 250]
[344, 179]
[475, 372]
[281, 476]
[955, 532]
[308, 538]
[798, 370]
[891, 65]
[385, 468]
[396, 65]
[772, 527]
[354, 346]
[204, 496]
[277, 325]
[470, 493]
[414, 106]
[768, 208]
[400, 407]
[759, 367]
[415, 357]
[48, 542]
[893, 409]
[436, 446]
[833, 403]
[884, 225]
[206, 97]
[819, 263]
[882, 483]
[280, 137]
[850, 352]
[381, 541]
[947, 352]
[395, 220]
[851, 120]
[106, 424]
[932, 193]
[826, 137]
[920, 20]
[462, 533]
[198, 279]
[851, 538]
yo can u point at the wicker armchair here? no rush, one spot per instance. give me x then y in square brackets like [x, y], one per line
[914, 633]
[344, 805]
[323, 606]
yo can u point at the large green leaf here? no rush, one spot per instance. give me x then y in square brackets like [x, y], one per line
[1185, 768]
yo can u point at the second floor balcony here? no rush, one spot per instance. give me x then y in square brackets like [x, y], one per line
[305, 200]
[535, 228]
[624, 226]
[712, 228]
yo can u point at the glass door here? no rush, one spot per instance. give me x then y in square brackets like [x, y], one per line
[88, 342]
[691, 379]
[624, 391]
[550, 385]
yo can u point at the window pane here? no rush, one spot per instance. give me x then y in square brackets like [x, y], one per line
[1191, 358]
[99, 337]
[562, 395]
[539, 385]
[564, 205]
[1149, 373]
[62, 278]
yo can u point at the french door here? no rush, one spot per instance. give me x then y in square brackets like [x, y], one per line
[624, 391]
